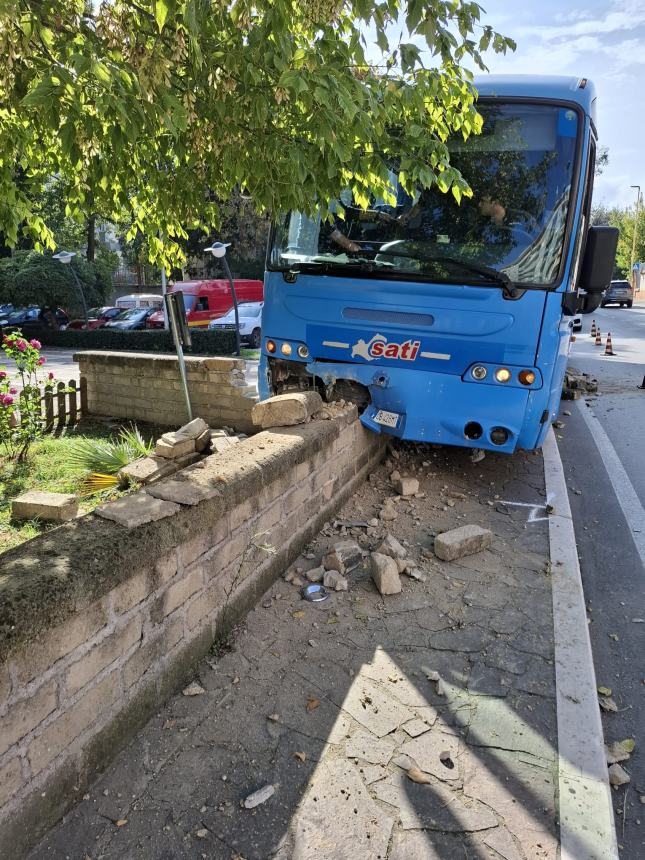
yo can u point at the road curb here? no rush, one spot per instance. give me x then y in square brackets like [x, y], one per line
[587, 830]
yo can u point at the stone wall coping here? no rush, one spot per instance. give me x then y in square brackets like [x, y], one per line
[48, 579]
[210, 362]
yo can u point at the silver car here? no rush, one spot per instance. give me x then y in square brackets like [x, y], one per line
[618, 293]
[250, 315]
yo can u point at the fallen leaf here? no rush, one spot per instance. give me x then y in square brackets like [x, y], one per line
[201, 834]
[275, 718]
[332, 621]
[417, 775]
[608, 704]
[193, 689]
[312, 704]
[300, 756]
[121, 822]
[298, 614]
[169, 724]
[628, 744]
[604, 691]
[618, 776]
[235, 680]
[614, 636]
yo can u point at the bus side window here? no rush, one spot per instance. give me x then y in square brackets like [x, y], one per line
[202, 303]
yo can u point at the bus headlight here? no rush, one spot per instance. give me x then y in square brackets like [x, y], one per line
[270, 346]
[526, 377]
[303, 352]
[285, 349]
[479, 372]
[502, 374]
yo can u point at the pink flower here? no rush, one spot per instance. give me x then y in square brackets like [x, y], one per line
[50, 375]
[13, 391]
[21, 345]
[7, 400]
[3, 374]
[35, 343]
[41, 360]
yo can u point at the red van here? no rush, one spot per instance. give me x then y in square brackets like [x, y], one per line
[207, 300]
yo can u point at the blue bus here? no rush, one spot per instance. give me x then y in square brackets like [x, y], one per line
[444, 322]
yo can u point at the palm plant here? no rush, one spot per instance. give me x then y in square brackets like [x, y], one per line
[104, 458]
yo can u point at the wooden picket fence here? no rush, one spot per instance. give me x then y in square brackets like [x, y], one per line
[63, 405]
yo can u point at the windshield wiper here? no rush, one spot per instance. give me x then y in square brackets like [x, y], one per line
[488, 272]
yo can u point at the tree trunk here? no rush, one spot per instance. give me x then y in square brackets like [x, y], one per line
[91, 238]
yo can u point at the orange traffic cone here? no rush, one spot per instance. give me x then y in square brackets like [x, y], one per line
[593, 328]
[608, 349]
[598, 338]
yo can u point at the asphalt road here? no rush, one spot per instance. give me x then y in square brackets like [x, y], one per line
[602, 447]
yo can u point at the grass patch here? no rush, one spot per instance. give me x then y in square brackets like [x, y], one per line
[253, 354]
[50, 467]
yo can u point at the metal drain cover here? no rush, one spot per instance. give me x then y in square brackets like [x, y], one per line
[315, 593]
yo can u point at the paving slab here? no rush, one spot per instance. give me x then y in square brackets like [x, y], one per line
[441, 676]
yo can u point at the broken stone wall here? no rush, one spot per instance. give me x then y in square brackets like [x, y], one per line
[147, 387]
[100, 624]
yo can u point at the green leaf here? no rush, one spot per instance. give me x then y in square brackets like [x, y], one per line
[161, 13]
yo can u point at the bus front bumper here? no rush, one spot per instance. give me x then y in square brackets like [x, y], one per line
[439, 408]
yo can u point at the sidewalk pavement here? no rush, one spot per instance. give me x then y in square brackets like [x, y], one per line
[333, 704]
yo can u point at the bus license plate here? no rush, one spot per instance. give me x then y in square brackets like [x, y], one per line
[387, 419]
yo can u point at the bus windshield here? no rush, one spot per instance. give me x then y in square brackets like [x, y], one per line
[520, 169]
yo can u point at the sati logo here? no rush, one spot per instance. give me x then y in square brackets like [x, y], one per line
[380, 347]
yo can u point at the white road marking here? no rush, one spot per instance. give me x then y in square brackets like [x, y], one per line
[442, 356]
[623, 487]
[587, 830]
[336, 344]
[535, 507]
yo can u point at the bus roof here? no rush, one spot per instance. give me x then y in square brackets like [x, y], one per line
[560, 88]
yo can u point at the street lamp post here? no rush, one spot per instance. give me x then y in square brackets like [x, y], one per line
[65, 257]
[633, 257]
[218, 250]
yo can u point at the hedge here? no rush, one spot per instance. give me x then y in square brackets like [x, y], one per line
[203, 342]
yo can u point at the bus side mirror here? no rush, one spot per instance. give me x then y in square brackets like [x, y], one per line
[597, 265]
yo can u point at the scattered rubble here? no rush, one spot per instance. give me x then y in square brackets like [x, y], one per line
[285, 410]
[618, 776]
[406, 486]
[390, 546]
[576, 383]
[316, 574]
[259, 796]
[385, 573]
[334, 579]
[194, 689]
[51, 507]
[344, 556]
[465, 540]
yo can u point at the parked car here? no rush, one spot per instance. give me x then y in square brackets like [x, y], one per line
[618, 293]
[130, 320]
[33, 320]
[139, 300]
[208, 300]
[97, 317]
[250, 316]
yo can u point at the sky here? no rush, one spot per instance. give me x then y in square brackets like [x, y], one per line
[603, 40]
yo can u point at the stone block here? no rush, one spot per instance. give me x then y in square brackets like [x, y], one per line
[60, 734]
[392, 547]
[345, 555]
[181, 492]
[24, 716]
[53, 507]
[316, 574]
[193, 430]
[406, 486]
[203, 441]
[285, 410]
[147, 469]
[137, 509]
[333, 579]
[466, 540]
[10, 780]
[171, 450]
[385, 573]
[102, 655]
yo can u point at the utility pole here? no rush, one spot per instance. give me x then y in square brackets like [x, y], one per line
[632, 274]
